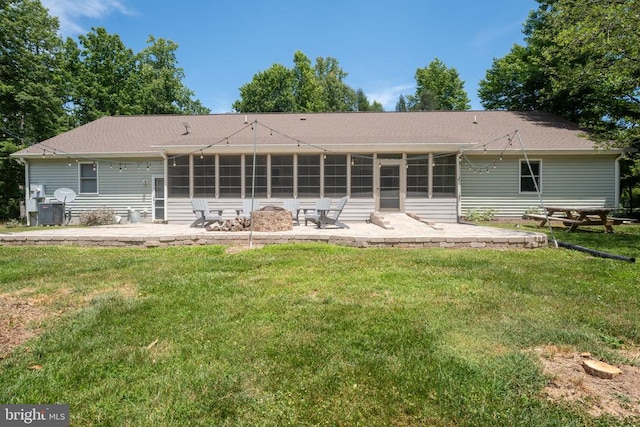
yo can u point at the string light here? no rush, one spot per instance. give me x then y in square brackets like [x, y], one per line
[461, 156]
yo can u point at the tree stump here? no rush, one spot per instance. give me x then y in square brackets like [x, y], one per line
[272, 218]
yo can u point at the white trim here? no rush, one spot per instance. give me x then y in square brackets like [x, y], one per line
[97, 178]
[520, 162]
[153, 197]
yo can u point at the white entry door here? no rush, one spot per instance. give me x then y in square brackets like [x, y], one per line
[158, 198]
[391, 185]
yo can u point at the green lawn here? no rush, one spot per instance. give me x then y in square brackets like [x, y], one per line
[315, 334]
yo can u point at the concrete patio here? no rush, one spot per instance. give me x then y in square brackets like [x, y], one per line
[397, 230]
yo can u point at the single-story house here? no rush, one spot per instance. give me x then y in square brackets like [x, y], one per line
[437, 164]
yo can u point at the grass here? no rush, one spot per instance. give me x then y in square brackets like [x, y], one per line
[303, 334]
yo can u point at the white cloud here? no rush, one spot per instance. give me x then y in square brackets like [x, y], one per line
[70, 12]
[388, 96]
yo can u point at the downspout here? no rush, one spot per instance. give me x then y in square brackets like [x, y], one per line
[459, 187]
[165, 180]
[26, 188]
[616, 199]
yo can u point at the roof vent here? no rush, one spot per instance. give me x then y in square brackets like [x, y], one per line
[303, 118]
[475, 120]
[186, 128]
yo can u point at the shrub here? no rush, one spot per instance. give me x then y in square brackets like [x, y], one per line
[102, 216]
[475, 215]
[533, 210]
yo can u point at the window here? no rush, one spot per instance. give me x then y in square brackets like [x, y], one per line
[418, 176]
[529, 178]
[89, 178]
[335, 175]
[309, 176]
[204, 176]
[179, 177]
[362, 175]
[261, 176]
[230, 171]
[444, 175]
[281, 176]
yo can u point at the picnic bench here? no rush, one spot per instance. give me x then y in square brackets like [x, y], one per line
[574, 217]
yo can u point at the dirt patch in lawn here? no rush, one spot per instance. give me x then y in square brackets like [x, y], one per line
[20, 318]
[23, 313]
[569, 382]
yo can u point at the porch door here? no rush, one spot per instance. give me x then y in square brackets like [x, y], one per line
[158, 198]
[391, 185]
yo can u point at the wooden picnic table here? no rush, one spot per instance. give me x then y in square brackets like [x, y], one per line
[575, 217]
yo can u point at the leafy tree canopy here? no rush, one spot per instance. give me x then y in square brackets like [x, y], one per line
[581, 61]
[437, 88]
[107, 78]
[48, 85]
[303, 88]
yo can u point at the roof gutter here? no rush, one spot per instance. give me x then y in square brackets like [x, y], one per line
[90, 156]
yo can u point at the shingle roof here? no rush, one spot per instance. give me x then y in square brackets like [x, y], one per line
[140, 135]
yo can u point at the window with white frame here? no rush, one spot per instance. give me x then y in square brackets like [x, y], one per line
[179, 177]
[204, 176]
[418, 176]
[260, 178]
[308, 175]
[444, 175]
[530, 176]
[230, 176]
[335, 175]
[282, 176]
[88, 178]
[362, 175]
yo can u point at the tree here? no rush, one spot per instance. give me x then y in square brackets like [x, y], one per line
[157, 82]
[582, 62]
[100, 70]
[302, 88]
[401, 105]
[437, 88]
[107, 78]
[271, 90]
[30, 83]
[30, 90]
[362, 103]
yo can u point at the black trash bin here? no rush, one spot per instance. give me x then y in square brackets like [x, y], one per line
[50, 213]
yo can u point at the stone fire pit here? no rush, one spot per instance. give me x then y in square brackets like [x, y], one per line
[272, 218]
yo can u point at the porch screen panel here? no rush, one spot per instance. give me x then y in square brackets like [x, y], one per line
[309, 176]
[282, 176]
[362, 175]
[418, 176]
[335, 175]
[261, 176]
[204, 176]
[444, 175]
[230, 170]
[178, 178]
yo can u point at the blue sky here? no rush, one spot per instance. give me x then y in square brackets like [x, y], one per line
[380, 44]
